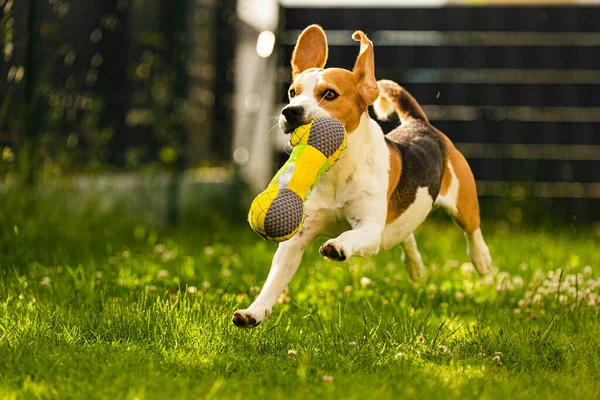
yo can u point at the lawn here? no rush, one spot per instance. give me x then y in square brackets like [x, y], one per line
[97, 307]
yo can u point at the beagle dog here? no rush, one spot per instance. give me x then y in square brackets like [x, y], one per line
[384, 186]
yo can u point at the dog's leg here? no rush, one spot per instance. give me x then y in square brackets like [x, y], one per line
[479, 252]
[285, 263]
[412, 258]
[367, 219]
[461, 203]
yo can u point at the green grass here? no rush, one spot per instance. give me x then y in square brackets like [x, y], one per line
[98, 308]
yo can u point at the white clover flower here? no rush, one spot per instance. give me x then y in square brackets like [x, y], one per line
[292, 354]
[518, 281]
[209, 251]
[163, 273]
[431, 289]
[502, 276]
[523, 267]
[254, 290]
[241, 297]
[563, 298]
[538, 275]
[459, 296]
[467, 268]
[467, 287]
[523, 303]
[159, 248]
[283, 298]
[364, 281]
[168, 256]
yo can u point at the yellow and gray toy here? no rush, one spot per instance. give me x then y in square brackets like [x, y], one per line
[278, 212]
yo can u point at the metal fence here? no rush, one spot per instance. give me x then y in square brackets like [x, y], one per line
[118, 82]
[129, 84]
[514, 87]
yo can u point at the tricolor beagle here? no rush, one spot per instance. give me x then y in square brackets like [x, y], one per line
[383, 187]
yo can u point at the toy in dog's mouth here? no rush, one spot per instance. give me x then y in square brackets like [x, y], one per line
[278, 212]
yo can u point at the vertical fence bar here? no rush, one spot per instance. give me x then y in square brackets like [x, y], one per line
[28, 142]
[178, 48]
[222, 134]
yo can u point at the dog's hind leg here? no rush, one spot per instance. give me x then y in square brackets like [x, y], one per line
[412, 258]
[458, 197]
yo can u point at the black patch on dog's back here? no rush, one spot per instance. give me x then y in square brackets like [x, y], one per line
[422, 151]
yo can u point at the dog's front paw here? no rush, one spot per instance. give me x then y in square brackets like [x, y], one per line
[333, 249]
[482, 262]
[247, 319]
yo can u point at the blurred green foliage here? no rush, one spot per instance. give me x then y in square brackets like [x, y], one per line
[74, 108]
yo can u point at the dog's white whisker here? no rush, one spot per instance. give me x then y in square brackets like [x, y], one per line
[322, 98]
[270, 130]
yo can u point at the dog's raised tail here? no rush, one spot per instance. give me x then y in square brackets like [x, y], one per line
[393, 97]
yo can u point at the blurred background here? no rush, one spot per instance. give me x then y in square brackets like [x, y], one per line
[166, 110]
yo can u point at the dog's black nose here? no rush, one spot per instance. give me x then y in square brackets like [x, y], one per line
[292, 113]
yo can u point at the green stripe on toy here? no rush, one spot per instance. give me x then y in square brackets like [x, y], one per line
[278, 212]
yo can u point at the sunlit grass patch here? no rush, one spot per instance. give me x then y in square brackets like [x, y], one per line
[135, 311]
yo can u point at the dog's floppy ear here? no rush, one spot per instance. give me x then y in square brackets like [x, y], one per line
[310, 51]
[364, 69]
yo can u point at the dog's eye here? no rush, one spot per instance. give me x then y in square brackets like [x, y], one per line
[292, 93]
[330, 95]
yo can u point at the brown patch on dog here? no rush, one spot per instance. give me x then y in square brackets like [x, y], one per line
[393, 211]
[364, 69]
[356, 89]
[410, 140]
[447, 178]
[349, 105]
[467, 202]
